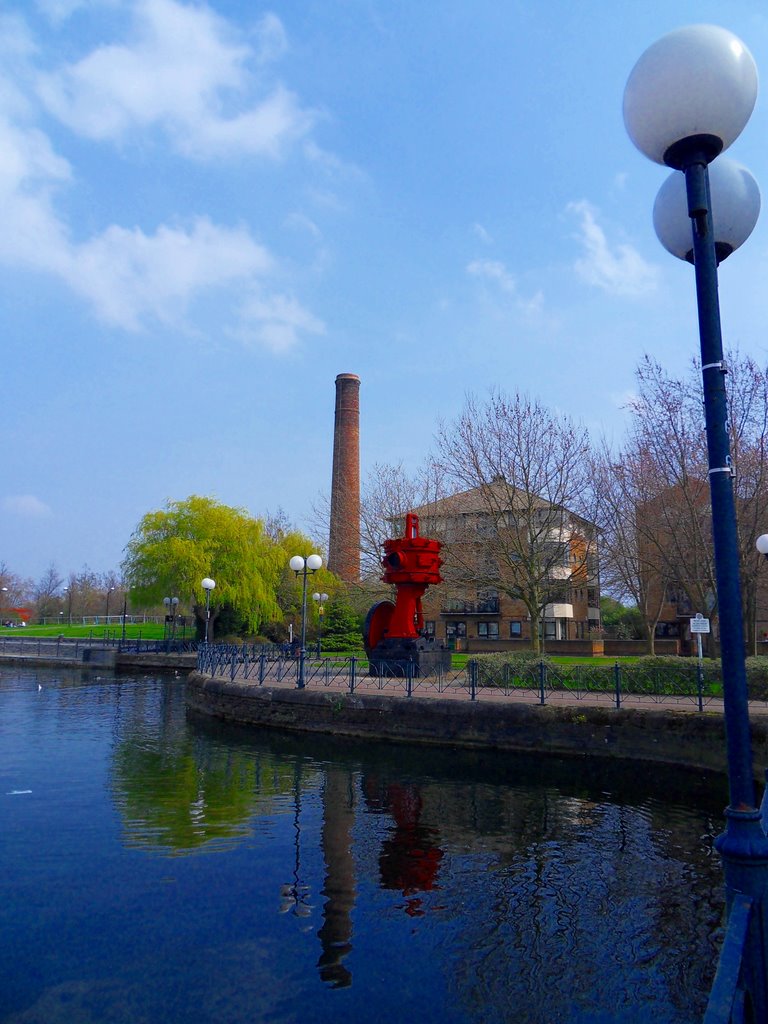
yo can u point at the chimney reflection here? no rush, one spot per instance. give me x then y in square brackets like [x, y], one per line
[410, 857]
[339, 889]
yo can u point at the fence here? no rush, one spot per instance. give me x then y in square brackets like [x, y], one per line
[537, 681]
[65, 649]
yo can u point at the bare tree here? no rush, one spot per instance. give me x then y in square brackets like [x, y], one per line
[522, 522]
[661, 475]
[631, 565]
[47, 592]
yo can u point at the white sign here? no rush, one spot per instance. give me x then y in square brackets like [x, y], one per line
[699, 624]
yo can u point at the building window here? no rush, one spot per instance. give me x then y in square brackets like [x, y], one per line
[550, 629]
[429, 627]
[455, 629]
[488, 600]
[515, 629]
[488, 630]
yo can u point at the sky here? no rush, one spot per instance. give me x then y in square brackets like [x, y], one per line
[209, 210]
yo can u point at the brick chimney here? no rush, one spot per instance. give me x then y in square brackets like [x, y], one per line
[344, 541]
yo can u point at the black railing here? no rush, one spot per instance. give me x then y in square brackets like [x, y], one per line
[537, 681]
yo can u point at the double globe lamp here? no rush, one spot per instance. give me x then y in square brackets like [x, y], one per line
[304, 567]
[686, 101]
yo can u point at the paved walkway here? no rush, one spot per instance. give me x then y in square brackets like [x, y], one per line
[456, 687]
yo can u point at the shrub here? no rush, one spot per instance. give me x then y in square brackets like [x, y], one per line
[517, 668]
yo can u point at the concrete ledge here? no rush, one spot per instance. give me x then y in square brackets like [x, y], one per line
[691, 738]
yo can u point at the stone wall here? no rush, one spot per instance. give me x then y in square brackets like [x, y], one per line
[688, 738]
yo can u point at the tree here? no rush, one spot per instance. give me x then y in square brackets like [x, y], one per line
[662, 475]
[46, 592]
[15, 591]
[622, 622]
[173, 549]
[523, 524]
[342, 629]
[631, 563]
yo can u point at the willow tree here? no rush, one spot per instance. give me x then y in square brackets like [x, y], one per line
[173, 549]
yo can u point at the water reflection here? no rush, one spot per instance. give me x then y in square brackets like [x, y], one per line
[410, 855]
[322, 880]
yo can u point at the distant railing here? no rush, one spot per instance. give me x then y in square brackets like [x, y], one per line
[66, 649]
[536, 681]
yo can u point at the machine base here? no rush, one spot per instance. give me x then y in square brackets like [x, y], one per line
[392, 657]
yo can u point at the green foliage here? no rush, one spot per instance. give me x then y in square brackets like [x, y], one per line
[519, 668]
[342, 628]
[626, 623]
[172, 550]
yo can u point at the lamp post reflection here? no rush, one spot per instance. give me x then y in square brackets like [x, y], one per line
[294, 896]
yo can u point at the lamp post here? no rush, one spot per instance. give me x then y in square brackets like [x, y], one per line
[106, 611]
[320, 599]
[3, 592]
[171, 604]
[208, 585]
[303, 567]
[68, 592]
[686, 100]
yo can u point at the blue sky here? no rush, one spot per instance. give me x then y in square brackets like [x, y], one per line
[210, 210]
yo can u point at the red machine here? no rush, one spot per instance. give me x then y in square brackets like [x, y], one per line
[394, 633]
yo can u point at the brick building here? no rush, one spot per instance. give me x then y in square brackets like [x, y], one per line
[498, 541]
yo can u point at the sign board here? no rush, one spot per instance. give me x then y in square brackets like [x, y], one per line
[699, 624]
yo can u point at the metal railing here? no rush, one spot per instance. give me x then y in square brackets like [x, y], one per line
[68, 649]
[537, 681]
[728, 999]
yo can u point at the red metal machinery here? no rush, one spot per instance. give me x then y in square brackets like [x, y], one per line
[394, 634]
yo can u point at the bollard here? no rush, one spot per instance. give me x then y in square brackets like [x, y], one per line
[542, 682]
[352, 664]
[617, 683]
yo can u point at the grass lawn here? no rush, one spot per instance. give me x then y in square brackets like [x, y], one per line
[133, 631]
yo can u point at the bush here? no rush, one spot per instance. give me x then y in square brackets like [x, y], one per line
[757, 678]
[518, 668]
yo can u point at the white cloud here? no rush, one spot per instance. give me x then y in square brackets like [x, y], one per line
[130, 276]
[184, 72]
[617, 269]
[134, 277]
[276, 322]
[480, 232]
[496, 273]
[493, 270]
[27, 506]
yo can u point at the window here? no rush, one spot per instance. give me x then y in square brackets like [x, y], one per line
[488, 630]
[488, 600]
[455, 629]
[515, 629]
[429, 627]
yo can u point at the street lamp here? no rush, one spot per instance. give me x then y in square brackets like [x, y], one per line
[686, 100]
[303, 567]
[171, 604]
[208, 585]
[106, 613]
[68, 592]
[320, 599]
[3, 591]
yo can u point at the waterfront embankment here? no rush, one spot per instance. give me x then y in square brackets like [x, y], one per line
[673, 735]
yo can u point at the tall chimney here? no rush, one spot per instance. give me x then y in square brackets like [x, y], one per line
[344, 541]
